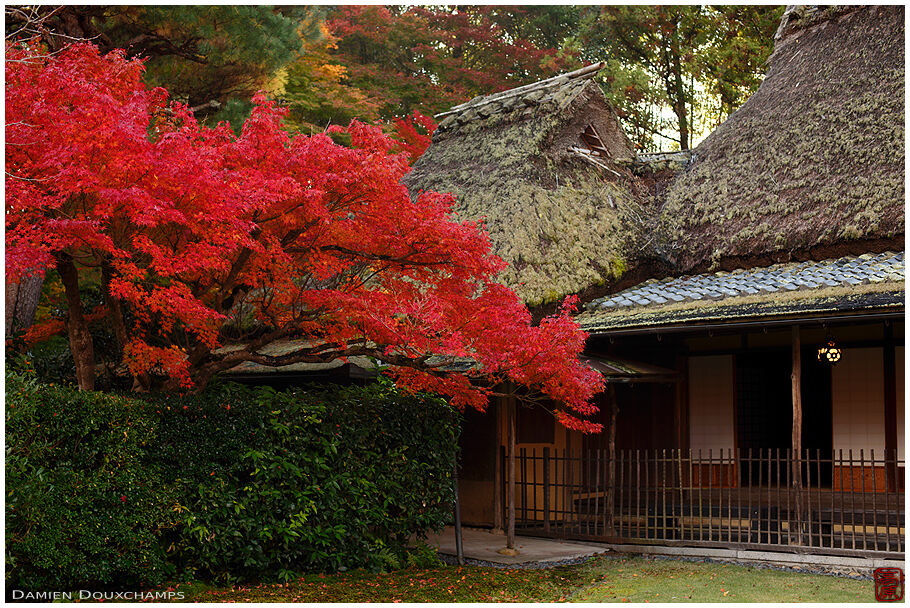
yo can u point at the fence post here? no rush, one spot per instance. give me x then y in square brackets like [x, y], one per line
[546, 490]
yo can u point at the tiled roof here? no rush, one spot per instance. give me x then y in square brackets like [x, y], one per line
[870, 282]
[559, 90]
[846, 271]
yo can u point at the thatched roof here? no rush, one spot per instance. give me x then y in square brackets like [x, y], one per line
[558, 207]
[812, 165]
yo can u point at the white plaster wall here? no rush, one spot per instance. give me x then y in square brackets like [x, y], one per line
[711, 405]
[858, 402]
[899, 376]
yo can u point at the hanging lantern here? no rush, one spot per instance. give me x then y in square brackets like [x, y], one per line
[829, 353]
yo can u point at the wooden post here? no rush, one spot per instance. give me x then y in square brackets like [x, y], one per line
[681, 410]
[497, 472]
[459, 544]
[510, 496]
[611, 447]
[547, 514]
[509, 549]
[797, 438]
[890, 393]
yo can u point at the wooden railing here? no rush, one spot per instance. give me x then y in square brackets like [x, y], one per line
[845, 502]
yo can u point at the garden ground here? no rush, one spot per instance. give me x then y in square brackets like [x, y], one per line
[599, 579]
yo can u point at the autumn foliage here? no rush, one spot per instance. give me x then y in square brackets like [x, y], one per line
[211, 245]
[414, 133]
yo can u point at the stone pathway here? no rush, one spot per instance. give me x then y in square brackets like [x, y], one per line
[482, 545]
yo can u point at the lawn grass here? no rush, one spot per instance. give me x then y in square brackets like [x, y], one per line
[602, 579]
[641, 580]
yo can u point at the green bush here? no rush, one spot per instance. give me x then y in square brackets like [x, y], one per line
[315, 480]
[81, 509]
[234, 483]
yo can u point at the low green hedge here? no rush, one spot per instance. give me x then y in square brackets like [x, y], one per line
[80, 505]
[232, 484]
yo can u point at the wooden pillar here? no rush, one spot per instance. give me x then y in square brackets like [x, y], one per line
[890, 393]
[497, 471]
[510, 495]
[611, 447]
[681, 411]
[459, 541]
[797, 438]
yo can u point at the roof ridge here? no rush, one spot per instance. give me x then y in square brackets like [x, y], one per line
[586, 73]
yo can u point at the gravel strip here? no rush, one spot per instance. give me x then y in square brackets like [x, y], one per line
[451, 560]
[805, 569]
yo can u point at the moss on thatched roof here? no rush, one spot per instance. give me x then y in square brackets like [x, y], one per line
[813, 160]
[564, 220]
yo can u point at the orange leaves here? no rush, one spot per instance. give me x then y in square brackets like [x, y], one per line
[412, 141]
[142, 358]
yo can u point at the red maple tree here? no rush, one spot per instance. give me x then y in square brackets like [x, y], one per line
[414, 133]
[211, 246]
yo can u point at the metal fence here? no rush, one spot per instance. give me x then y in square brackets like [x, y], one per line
[843, 502]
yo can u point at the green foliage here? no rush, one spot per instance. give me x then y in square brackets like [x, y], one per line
[81, 509]
[228, 484]
[383, 62]
[199, 53]
[210, 52]
[304, 480]
[675, 72]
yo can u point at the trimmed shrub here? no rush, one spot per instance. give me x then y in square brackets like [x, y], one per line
[272, 483]
[81, 509]
[234, 483]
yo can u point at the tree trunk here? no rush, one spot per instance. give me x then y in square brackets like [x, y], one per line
[113, 306]
[676, 89]
[22, 302]
[678, 96]
[76, 326]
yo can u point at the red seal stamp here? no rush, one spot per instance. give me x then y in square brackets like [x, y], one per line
[889, 584]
